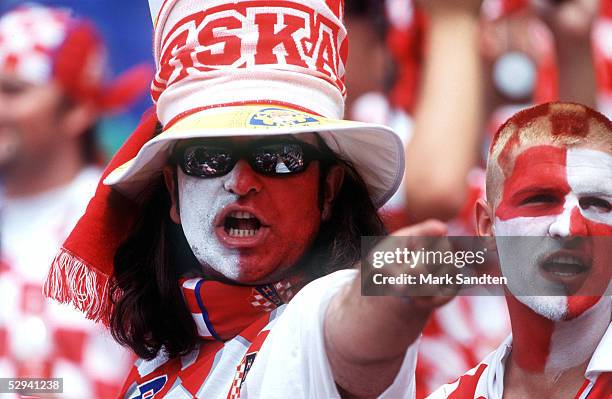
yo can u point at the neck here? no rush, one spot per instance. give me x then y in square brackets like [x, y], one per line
[51, 171]
[543, 346]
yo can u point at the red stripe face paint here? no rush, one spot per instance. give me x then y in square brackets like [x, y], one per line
[563, 193]
[537, 185]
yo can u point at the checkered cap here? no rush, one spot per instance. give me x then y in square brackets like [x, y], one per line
[39, 44]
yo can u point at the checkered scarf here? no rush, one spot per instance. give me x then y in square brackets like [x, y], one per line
[233, 322]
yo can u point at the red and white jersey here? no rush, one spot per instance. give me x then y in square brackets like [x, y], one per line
[278, 356]
[40, 337]
[461, 333]
[486, 380]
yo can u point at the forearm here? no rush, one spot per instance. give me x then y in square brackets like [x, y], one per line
[366, 339]
[448, 118]
[576, 69]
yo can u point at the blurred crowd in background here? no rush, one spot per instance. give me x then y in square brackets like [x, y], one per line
[445, 74]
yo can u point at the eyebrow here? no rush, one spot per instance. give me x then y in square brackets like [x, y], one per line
[536, 190]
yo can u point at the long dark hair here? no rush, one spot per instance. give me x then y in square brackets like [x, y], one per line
[149, 311]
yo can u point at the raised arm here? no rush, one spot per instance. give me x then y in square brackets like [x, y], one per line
[448, 119]
[571, 23]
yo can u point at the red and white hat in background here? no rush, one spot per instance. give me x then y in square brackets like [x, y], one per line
[39, 44]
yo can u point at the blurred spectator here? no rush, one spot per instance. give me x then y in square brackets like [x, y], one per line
[536, 52]
[127, 38]
[369, 62]
[52, 93]
[375, 77]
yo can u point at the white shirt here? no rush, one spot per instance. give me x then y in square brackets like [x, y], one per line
[292, 362]
[486, 380]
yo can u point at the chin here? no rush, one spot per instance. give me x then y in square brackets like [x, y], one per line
[255, 276]
[554, 308]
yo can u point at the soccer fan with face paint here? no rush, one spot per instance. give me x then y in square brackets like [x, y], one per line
[52, 93]
[231, 219]
[549, 174]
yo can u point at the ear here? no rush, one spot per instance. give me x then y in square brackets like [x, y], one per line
[333, 182]
[484, 219]
[78, 118]
[169, 179]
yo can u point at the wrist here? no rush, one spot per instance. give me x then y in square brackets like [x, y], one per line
[455, 24]
[452, 15]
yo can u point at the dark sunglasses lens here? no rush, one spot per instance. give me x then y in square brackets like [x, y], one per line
[279, 159]
[206, 161]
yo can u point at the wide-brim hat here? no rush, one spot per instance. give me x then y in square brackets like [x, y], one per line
[375, 151]
[250, 68]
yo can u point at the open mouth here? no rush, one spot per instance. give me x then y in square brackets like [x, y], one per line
[565, 265]
[241, 224]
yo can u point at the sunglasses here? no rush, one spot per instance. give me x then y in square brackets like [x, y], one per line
[271, 158]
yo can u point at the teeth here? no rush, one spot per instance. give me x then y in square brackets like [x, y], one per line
[241, 215]
[567, 260]
[242, 233]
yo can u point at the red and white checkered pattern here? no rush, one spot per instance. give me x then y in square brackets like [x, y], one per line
[29, 38]
[40, 44]
[39, 337]
[234, 392]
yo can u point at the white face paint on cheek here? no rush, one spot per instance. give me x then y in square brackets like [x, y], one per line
[521, 268]
[589, 172]
[200, 201]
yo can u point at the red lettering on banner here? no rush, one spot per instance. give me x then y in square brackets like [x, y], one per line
[173, 56]
[336, 6]
[306, 39]
[166, 68]
[326, 55]
[269, 39]
[231, 43]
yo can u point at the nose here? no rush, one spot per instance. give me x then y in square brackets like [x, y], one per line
[242, 180]
[568, 224]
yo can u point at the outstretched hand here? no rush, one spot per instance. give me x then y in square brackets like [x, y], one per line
[431, 235]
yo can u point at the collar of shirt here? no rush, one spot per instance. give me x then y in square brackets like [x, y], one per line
[601, 361]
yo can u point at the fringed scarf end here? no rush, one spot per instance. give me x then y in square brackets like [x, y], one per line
[71, 281]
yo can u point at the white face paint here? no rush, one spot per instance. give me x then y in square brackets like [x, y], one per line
[521, 266]
[574, 341]
[589, 175]
[200, 201]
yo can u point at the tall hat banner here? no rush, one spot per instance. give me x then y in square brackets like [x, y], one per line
[230, 68]
[296, 52]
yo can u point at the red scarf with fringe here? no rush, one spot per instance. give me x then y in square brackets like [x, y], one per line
[80, 272]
